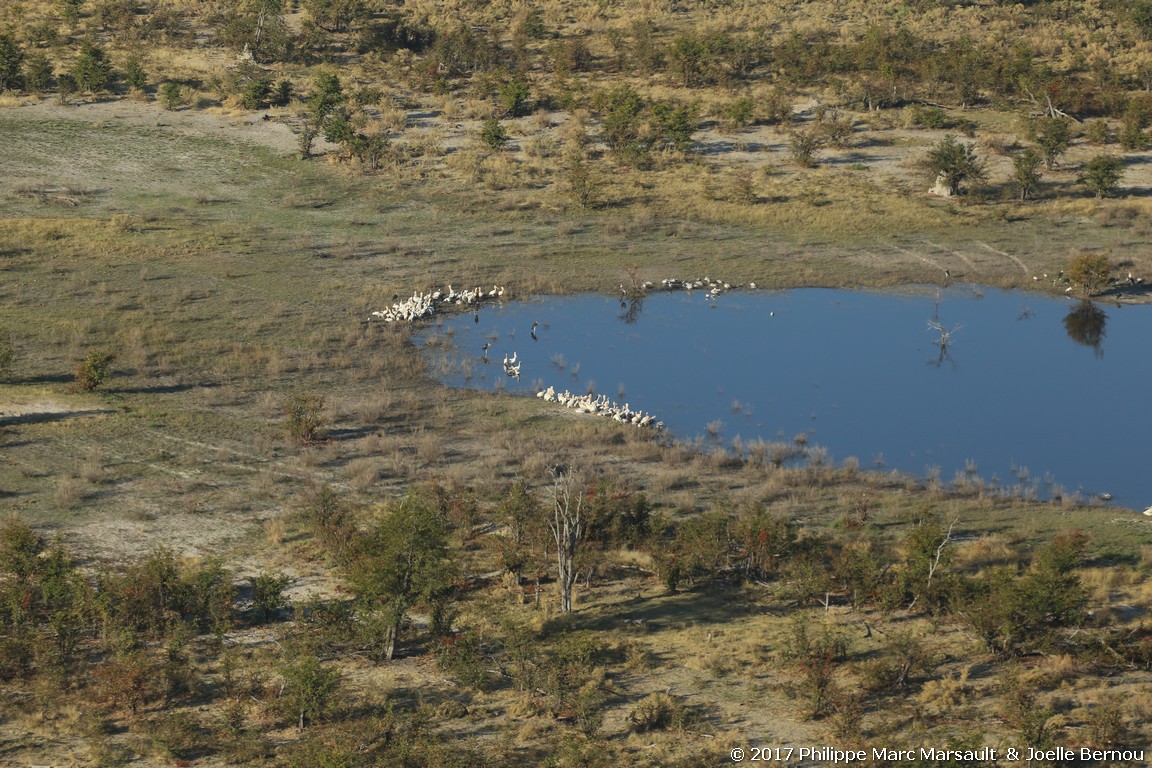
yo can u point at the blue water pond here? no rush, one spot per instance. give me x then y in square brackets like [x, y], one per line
[1043, 394]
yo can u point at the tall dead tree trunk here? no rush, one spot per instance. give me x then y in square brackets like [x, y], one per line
[568, 530]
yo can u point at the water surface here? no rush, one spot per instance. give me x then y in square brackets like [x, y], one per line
[1045, 393]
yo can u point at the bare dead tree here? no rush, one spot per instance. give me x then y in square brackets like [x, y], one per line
[568, 530]
[940, 550]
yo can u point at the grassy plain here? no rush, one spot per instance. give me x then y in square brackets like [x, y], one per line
[226, 274]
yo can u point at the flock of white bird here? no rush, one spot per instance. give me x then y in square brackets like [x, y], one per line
[512, 366]
[601, 406]
[714, 287]
[420, 305]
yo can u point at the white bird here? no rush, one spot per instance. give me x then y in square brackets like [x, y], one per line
[1148, 511]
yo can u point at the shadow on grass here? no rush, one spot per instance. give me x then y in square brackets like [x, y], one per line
[46, 378]
[350, 433]
[710, 604]
[158, 389]
[49, 416]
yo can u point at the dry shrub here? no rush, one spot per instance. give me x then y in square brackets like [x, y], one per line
[70, 492]
[92, 470]
[658, 712]
[274, 531]
[394, 118]
[1050, 671]
[362, 474]
[429, 446]
[986, 551]
[429, 142]
[939, 697]
[479, 109]
[377, 407]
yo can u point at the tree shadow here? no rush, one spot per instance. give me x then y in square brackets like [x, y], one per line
[46, 378]
[158, 389]
[705, 604]
[49, 416]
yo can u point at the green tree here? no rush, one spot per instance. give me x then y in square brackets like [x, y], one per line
[306, 139]
[673, 124]
[524, 529]
[1090, 271]
[688, 58]
[927, 553]
[37, 73]
[92, 70]
[1053, 135]
[257, 26]
[134, 74]
[463, 50]
[1026, 172]
[1102, 174]
[403, 561]
[327, 94]
[764, 540]
[738, 113]
[11, 60]
[257, 92]
[268, 594]
[309, 688]
[493, 134]
[515, 97]
[283, 93]
[621, 123]
[337, 15]
[171, 95]
[955, 163]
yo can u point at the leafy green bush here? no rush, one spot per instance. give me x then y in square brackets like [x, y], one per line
[256, 93]
[738, 113]
[309, 688]
[1102, 174]
[11, 59]
[134, 74]
[493, 134]
[171, 95]
[268, 594]
[181, 735]
[94, 372]
[462, 657]
[92, 70]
